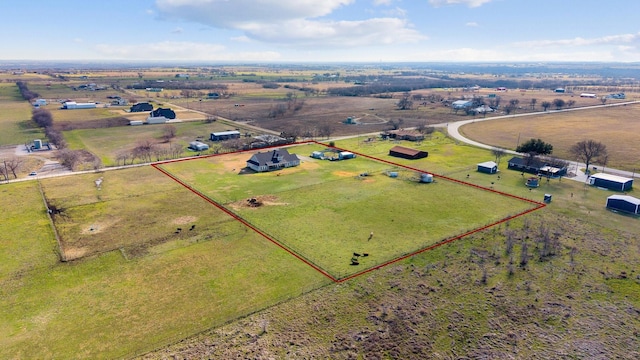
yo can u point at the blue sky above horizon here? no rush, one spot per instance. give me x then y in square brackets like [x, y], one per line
[321, 30]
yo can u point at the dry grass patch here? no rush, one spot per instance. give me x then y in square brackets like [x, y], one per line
[617, 127]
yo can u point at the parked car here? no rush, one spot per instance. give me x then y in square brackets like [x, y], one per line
[33, 173]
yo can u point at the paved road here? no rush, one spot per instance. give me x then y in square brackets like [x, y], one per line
[453, 130]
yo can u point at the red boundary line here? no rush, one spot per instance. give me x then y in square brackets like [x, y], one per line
[315, 267]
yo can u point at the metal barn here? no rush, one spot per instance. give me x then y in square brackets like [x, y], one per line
[624, 203]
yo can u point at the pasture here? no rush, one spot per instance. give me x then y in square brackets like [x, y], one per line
[325, 211]
[16, 126]
[616, 127]
[155, 286]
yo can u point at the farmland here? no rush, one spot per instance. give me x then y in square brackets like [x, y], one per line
[131, 263]
[325, 211]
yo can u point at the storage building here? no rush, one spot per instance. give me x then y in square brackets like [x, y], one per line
[407, 153]
[624, 203]
[488, 167]
[611, 182]
[198, 146]
[69, 105]
[225, 135]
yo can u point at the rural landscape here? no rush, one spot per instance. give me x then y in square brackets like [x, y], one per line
[402, 211]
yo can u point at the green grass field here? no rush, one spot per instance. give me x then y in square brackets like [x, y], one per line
[114, 305]
[16, 126]
[325, 212]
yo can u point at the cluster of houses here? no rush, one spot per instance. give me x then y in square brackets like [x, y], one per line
[157, 116]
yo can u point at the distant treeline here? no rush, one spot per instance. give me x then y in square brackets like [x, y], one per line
[179, 85]
[371, 85]
[25, 92]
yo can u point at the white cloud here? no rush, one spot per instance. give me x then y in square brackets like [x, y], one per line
[291, 22]
[173, 50]
[377, 31]
[469, 3]
[578, 41]
[471, 24]
[78, 40]
[230, 14]
[242, 39]
[397, 12]
[382, 2]
[177, 30]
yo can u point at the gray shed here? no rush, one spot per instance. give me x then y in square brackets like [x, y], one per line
[624, 203]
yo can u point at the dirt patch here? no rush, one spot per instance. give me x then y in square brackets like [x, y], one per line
[97, 227]
[74, 253]
[182, 220]
[257, 201]
[344, 173]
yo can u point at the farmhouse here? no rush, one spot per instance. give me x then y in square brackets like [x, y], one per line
[407, 153]
[74, 105]
[401, 134]
[611, 182]
[167, 113]
[624, 203]
[224, 135]
[272, 160]
[488, 167]
[537, 166]
[140, 107]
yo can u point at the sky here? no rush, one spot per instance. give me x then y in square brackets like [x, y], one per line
[321, 30]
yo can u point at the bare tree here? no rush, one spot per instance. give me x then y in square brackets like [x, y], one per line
[603, 100]
[498, 153]
[532, 103]
[405, 102]
[143, 150]
[325, 130]
[69, 158]
[559, 103]
[396, 124]
[13, 165]
[588, 150]
[169, 132]
[545, 105]
[570, 103]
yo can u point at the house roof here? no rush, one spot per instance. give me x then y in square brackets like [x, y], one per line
[627, 198]
[272, 157]
[405, 150]
[223, 133]
[611, 177]
[521, 162]
[488, 164]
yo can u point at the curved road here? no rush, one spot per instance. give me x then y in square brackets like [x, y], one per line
[453, 130]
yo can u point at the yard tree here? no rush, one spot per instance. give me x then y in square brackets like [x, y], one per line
[570, 103]
[603, 100]
[545, 105]
[405, 103]
[589, 150]
[532, 103]
[169, 132]
[42, 117]
[558, 103]
[498, 153]
[535, 146]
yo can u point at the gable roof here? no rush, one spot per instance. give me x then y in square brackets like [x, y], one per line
[611, 177]
[404, 150]
[488, 164]
[276, 156]
[627, 198]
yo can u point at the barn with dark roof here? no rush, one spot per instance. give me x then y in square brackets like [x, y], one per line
[407, 153]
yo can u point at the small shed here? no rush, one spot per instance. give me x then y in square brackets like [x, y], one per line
[198, 146]
[624, 203]
[488, 167]
[611, 182]
[407, 153]
[317, 155]
[344, 155]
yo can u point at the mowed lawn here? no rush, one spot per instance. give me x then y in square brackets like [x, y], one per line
[112, 305]
[617, 127]
[324, 211]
